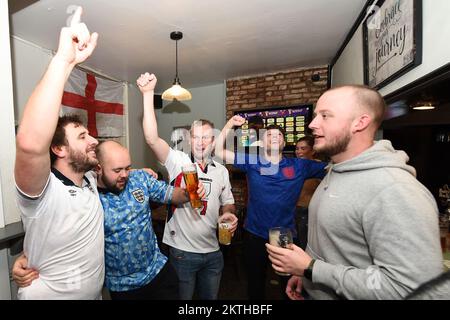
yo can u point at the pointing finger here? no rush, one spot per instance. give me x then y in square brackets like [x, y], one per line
[76, 17]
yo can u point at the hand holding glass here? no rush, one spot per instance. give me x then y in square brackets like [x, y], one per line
[224, 233]
[191, 179]
[281, 237]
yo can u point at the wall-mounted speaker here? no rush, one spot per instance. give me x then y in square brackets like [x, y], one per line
[157, 101]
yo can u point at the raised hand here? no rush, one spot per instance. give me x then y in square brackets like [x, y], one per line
[146, 82]
[76, 43]
[237, 121]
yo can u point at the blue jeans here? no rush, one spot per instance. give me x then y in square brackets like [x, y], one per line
[203, 270]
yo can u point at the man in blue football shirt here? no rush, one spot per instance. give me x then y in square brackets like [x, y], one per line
[274, 185]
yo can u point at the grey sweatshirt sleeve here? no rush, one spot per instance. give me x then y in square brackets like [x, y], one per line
[401, 229]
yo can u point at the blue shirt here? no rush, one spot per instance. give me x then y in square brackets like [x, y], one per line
[273, 190]
[132, 256]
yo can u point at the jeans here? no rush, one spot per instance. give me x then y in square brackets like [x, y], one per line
[197, 270]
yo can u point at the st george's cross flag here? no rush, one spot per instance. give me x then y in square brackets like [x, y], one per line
[97, 101]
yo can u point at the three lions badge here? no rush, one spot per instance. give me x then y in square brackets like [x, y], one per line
[139, 195]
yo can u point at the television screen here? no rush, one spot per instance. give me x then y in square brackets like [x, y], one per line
[294, 120]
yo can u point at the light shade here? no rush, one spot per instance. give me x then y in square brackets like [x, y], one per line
[176, 91]
[424, 106]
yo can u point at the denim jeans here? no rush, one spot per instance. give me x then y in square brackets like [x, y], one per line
[197, 270]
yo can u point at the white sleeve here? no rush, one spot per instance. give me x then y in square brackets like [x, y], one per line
[226, 197]
[175, 160]
[31, 206]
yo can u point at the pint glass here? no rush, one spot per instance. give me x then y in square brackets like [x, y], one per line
[191, 180]
[224, 233]
[280, 237]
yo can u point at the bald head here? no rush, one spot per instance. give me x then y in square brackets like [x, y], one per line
[108, 150]
[115, 166]
[365, 100]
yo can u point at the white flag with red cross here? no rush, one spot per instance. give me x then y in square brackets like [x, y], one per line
[97, 101]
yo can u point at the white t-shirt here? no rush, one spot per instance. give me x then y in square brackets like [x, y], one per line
[187, 229]
[64, 239]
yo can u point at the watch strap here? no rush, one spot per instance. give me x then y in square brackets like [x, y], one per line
[309, 270]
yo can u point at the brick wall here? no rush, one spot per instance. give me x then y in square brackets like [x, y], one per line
[239, 189]
[286, 88]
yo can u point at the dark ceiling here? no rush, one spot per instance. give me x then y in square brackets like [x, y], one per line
[434, 89]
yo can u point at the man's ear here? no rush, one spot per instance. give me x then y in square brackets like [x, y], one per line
[98, 169]
[361, 123]
[59, 151]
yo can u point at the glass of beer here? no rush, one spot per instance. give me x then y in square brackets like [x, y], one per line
[224, 233]
[281, 237]
[191, 179]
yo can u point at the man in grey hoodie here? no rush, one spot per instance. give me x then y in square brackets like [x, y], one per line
[373, 229]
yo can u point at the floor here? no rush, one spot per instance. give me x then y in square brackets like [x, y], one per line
[234, 282]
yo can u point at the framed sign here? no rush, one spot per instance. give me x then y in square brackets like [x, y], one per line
[392, 41]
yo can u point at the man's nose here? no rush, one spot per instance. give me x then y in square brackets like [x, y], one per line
[93, 140]
[313, 123]
[123, 173]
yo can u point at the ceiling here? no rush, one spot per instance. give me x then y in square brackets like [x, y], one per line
[222, 39]
[400, 112]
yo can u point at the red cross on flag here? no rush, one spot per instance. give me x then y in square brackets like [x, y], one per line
[97, 101]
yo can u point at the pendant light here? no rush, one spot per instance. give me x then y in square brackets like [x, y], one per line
[176, 91]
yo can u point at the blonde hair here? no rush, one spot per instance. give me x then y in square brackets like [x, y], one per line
[369, 99]
[201, 122]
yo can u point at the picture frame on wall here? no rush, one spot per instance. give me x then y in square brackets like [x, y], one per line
[392, 36]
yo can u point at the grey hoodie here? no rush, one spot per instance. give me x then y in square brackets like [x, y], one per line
[373, 229]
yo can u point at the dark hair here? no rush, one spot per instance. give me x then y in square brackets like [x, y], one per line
[59, 138]
[275, 127]
[255, 121]
[308, 139]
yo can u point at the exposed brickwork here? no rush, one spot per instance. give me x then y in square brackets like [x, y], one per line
[286, 88]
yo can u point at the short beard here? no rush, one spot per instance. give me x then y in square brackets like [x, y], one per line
[80, 163]
[338, 146]
[112, 186]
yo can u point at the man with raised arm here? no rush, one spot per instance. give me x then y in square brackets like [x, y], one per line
[191, 234]
[56, 191]
[274, 185]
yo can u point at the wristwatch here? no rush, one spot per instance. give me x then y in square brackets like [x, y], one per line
[307, 273]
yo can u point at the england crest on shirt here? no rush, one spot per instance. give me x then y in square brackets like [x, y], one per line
[207, 185]
[139, 195]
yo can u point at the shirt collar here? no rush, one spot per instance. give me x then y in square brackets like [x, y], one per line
[66, 181]
[210, 161]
